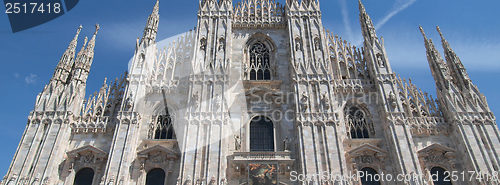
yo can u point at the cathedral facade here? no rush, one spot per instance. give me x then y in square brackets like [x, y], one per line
[259, 93]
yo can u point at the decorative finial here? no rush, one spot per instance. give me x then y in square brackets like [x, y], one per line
[361, 7]
[85, 41]
[440, 34]
[97, 27]
[157, 6]
[422, 31]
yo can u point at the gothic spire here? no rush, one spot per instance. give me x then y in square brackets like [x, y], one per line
[458, 71]
[83, 47]
[151, 28]
[438, 68]
[84, 59]
[73, 43]
[66, 62]
[367, 27]
[90, 47]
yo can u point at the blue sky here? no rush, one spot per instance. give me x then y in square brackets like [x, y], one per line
[29, 57]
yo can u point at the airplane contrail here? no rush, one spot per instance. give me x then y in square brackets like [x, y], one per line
[395, 11]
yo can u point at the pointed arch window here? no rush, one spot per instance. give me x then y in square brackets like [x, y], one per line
[261, 134]
[161, 127]
[440, 176]
[358, 124]
[370, 176]
[84, 177]
[259, 67]
[155, 177]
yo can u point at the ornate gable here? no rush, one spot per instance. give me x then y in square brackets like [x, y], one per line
[438, 155]
[88, 154]
[367, 149]
[157, 151]
[366, 154]
[435, 148]
[156, 156]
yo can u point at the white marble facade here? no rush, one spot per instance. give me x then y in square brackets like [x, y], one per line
[258, 93]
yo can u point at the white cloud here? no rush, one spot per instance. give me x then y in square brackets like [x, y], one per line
[17, 75]
[399, 6]
[408, 51]
[345, 18]
[31, 78]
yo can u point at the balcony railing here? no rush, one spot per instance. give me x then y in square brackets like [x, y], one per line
[281, 156]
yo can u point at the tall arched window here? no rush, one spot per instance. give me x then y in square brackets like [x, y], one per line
[155, 177]
[161, 127]
[369, 176]
[440, 176]
[259, 66]
[84, 177]
[261, 134]
[358, 125]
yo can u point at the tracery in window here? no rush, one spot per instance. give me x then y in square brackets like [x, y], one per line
[161, 127]
[259, 65]
[358, 125]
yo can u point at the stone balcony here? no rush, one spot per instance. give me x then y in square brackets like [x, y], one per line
[240, 162]
[427, 126]
[272, 157]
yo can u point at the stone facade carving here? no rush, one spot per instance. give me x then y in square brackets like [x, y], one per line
[255, 59]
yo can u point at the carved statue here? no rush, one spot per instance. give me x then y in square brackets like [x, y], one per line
[222, 44]
[325, 101]
[203, 44]
[298, 44]
[317, 44]
[194, 100]
[218, 102]
[102, 180]
[285, 144]
[381, 62]
[237, 142]
[129, 102]
[12, 180]
[188, 180]
[303, 100]
[212, 180]
[46, 181]
[392, 99]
